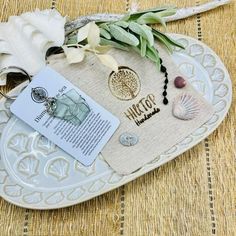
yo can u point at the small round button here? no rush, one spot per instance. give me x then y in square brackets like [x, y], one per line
[128, 139]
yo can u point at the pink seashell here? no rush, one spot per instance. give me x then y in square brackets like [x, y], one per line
[185, 107]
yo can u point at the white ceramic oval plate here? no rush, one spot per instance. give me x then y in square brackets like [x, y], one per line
[35, 174]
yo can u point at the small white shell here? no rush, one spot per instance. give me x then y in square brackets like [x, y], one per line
[185, 107]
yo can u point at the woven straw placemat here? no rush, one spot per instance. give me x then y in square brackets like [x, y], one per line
[192, 195]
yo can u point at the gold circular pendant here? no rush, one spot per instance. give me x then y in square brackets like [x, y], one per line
[125, 84]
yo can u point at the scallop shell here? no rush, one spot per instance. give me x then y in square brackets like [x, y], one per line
[44, 145]
[25, 39]
[86, 170]
[55, 198]
[13, 190]
[28, 166]
[33, 198]
[3, 176]
[97, 186]
[185, 107]
[59, 168]
[76, 194]
[18, 143]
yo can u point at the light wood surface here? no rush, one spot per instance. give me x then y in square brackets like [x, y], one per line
[193, 195]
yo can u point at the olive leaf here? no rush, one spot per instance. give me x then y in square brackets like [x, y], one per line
[126, 17]
[104, 33]
[131, 31]
[153, 54]
[151, 18]
[165, 42]
[108, 61]
[122, 24]
[166, 38]
[123, 36]
[136, 15]
[142, 31]
[114, 44]
[104, 26]
[150, 55]
[143, 47]
[168, 12]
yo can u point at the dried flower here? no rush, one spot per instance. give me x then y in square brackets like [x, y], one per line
[76, 52]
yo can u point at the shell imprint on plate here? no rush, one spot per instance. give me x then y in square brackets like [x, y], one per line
[185, 107]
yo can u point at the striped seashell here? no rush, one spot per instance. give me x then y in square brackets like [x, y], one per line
[185, 107]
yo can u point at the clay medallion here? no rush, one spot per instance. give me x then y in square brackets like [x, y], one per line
[125, 84]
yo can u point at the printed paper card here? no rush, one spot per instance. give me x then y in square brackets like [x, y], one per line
[92, 125]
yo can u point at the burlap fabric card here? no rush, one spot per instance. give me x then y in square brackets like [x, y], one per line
[135, 97]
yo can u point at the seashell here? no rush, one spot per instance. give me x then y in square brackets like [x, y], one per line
[187, 69]
[33, 198]
[3, 120]
[45, 145]
[183, 42]
[4, 116]
[2, 126]
[186, 141]
[222, 90]
[28, 166]
[209, 60]
[171, 150]
[13, 190]
[97, 186]
[220, 106]
[59, 168]
[155, 160]
[218, 75]
[25, 39]
[86, 170]
[76, 194]
[3, 176]
[115, 178]
[196, 50]
[200, 86]
[185, 107]
[200, 131]
[55, 198]
[19, 143]
[213, 120]
[7, 105]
